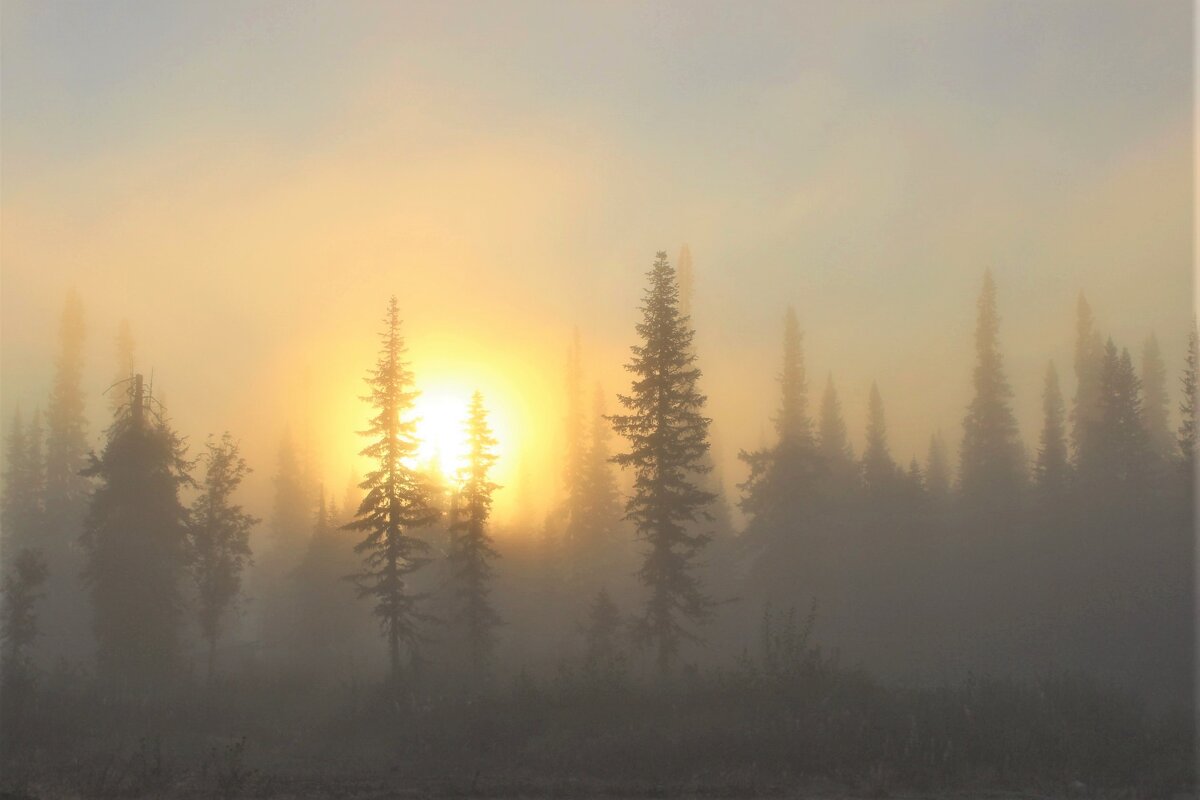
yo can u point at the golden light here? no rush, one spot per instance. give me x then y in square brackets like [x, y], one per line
[441, 415]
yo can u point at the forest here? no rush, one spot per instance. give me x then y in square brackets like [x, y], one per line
[1016, 616]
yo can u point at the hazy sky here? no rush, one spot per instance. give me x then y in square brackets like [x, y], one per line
[247, 182]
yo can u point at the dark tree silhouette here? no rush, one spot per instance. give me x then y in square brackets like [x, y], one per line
[879, 471]
[938, 481]
[22, 588]
[1188, 407]
[1114, 470]
[1155, 401]
[601, 506]
[136, 547]
[833, 445]
[471, 548]
[1052, 469]
[602, 660]
[992, 460]
[1089, 351]
[396, 501]
[780, 496]
[668, 439]
[22, 509]
[218, 539]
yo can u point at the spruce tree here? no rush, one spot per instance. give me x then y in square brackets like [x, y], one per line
[22, 512]
[1089, 351]
[327, 615]
[602, 661]
[218, 539]
[1115, 472]
[135, 540]
[992, 459]
[668, 439]
[471, 549]
[780, 495]
[1052, 470]
[833, 444]
[1188, 408]
[937, 473]
[879, 471]
[396, 501]
[1155, 401]
[19, 596]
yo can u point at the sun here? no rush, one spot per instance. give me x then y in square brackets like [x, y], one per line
[441, 438]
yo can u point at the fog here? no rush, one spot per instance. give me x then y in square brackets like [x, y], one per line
[247, 184]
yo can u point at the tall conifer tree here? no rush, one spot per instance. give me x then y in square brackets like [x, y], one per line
[992, 460]
[472, 550]
[1155, 401]
[879, 471]
[668, 439]
[396, 500]
[1188, 408]
[1052, 468]
[136, 545]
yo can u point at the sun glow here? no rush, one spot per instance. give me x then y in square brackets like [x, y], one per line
[441, 436]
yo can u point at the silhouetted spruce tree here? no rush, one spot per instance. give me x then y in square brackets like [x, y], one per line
[219, 540]
[1052, 469]
[1089, 352]
[1188, 407]
[833, 445]
[879, 471]
[136, 546]
[396, 500]
[1155, 401]
[937, 473]
[22, 588]
[668, 438]
[992, 459]
[471, 548]
[22, 513]
[781, 493]
[1114, 472]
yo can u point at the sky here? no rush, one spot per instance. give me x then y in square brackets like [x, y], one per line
[247, 182]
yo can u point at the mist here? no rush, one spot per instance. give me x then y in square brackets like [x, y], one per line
[835, 195]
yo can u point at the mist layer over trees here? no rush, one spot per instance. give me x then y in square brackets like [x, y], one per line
[1020, 615]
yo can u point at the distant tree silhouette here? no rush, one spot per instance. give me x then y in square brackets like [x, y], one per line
[22, 588]
[1188, 407]
[218, 539]
[1089, 352]
[879, 471]
[326, 612]
[1052, 469]
[22, 509]
[833, 445]
[668, 438]
[293, 501]
[601, 503]
[1155, 401]
[992, 458]
[471, 546]
[136, 547]
[396, 501]
[602, 659]
[780, 496]
[1114, 471]
[938, 481]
